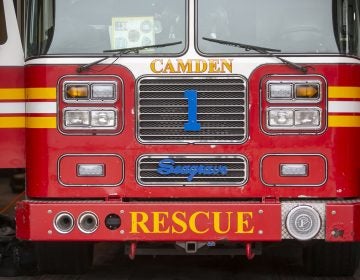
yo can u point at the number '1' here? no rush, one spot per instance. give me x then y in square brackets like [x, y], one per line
[192, 124]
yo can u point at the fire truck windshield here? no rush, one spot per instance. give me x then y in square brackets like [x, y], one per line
[91, 26]
[329, 27]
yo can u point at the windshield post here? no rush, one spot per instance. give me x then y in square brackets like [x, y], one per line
[3, 32]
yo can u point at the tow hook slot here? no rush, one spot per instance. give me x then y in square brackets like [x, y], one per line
[191, 247]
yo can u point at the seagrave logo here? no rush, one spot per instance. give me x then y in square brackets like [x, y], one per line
[168, 167]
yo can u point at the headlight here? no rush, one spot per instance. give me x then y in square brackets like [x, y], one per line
[77, 118]
[103, 118]
[281, 117]
[307, 118]
[294, 118]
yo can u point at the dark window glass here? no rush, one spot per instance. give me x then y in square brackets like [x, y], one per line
[92, 26]
[292, 26]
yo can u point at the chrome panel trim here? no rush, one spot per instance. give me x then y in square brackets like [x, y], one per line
[236, 180]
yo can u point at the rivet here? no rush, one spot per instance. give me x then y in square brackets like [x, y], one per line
[122, 231]
[122, 211]
[261, 231]
[261, 211]
[49, 211]
[333, 212]
[49, 231]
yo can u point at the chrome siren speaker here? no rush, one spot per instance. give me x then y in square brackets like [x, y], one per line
[88, 222]
[64, 222]
[303, 222]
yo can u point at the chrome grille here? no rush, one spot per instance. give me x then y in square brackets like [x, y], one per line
[237, 166]
[162, 109]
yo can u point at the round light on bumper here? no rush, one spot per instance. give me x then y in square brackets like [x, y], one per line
[303, 222]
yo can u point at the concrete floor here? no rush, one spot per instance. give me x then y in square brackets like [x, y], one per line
[110, 263]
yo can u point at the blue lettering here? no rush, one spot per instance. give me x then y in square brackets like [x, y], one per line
[167, 167]
[192, 124]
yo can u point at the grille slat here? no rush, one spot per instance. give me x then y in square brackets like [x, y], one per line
[162, 109]
[180, 94]
[236, 170]
[174, 102]
[179, 125]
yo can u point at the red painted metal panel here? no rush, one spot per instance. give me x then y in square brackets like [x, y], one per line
[12, 129]
[156, 221]
[12, 77]
[342, 222]
[337, 144]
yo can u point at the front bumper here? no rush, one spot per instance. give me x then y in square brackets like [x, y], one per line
[183, 221]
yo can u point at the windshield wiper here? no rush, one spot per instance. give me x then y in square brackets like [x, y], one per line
[258, 49]
[120, 52]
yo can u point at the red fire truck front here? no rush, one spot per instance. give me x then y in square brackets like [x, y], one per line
[203, 126]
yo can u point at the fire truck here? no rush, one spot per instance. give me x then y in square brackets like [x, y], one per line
[184, 127]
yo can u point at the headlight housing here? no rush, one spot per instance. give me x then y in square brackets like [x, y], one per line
[293, 104]
[90, 105]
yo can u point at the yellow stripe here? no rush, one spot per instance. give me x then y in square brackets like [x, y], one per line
[41, 93]
[41, 122]
[344, 121]
[344, 92]
[12, 93]
[31, 122]
[31, 93]
[12, 122]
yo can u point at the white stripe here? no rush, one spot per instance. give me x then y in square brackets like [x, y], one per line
[12, 107]
[41, 107]
[344, 106]
[50, 107]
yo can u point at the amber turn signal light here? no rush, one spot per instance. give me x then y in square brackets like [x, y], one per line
[307, 91]
[77, 91]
